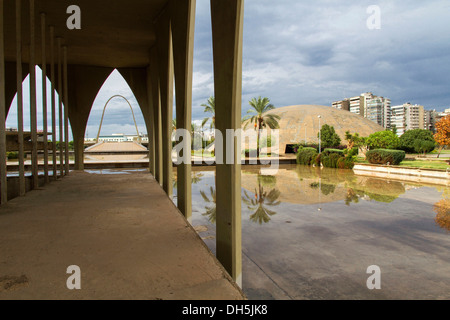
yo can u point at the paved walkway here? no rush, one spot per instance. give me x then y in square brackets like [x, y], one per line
[124, 233]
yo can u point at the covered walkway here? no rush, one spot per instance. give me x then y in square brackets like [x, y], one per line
[124, 233]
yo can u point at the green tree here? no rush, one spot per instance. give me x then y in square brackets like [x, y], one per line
[424, 146]
[261, 118]
[210, 107]
[409, 138]
[383, 140]
[329, 137]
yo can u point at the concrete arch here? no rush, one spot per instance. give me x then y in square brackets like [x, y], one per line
[85, 84]
[132, 112]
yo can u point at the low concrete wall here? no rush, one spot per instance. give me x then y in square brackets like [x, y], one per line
[404, 173]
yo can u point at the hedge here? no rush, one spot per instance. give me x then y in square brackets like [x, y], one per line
[331, 160]
[329, 151]
[346, 163]
[384, 156]
[306, 156]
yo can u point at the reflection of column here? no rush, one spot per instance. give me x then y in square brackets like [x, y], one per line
[20, 96]
[3, 173]
[61, 116]
[227, 23]
[44, 97]
[53, 96]
[183, 18]
[66, 113]
[320, 194]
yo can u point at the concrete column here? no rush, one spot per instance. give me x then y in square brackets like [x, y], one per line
[33, 107]
[61, 115]
[227, 24]
[156, 102]
[44, 96]
[66, 114]
[20, 96]
[151, 124]
[3, 168]
[183, 25]
[165, 62]
[53, 98]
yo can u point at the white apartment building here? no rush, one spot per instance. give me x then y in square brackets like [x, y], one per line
[377, 109]
[409, 117]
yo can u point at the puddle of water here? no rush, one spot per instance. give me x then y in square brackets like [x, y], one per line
[311, 233]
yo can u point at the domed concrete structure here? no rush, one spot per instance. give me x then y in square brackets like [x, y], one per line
[299, 121]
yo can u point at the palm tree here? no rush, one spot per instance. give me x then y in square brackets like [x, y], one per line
[174, 124]
[260, 117]
[210, 107]
[210, 210]
[259, 203]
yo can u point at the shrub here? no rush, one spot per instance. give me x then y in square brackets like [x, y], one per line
[306, 156]
[330, 160]
[383, 156]
[352, 152]
[408, 139]
[346, 162]
[12, 155]
[424, 146]
[327, 152]
[383, 140]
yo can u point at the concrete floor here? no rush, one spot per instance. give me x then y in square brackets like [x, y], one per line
[124, 233]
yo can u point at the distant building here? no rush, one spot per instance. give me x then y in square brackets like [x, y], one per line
[410, 117]
[374, 108]
[119, 137]
[378, 109]
[342, 105]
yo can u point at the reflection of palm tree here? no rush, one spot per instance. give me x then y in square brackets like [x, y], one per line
[351, 196]
[196, 177]
[210, 210]
[258, 204]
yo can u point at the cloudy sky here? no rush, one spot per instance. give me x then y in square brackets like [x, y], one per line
[315, 52]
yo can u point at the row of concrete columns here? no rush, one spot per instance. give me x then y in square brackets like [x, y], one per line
[176, 26]
[170, 62]
[63, 114]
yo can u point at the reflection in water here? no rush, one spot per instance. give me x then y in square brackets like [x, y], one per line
[361, 218]
[259, 203]
[210, 209]
[261, 194]
[442, 209]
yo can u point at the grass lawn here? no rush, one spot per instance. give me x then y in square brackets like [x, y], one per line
[425, 164]
[435, 164]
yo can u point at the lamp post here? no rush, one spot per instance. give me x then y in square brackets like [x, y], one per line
[320, 138]
[305, 135]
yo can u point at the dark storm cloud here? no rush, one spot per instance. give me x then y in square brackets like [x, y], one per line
[298, 52]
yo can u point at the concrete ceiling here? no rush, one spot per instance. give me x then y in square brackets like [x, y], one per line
[114, 33]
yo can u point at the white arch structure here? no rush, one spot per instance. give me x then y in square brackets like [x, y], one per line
[132, 112]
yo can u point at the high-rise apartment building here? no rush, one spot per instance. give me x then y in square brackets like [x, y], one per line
[409, 117]
[342, 105]
[377, 109]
